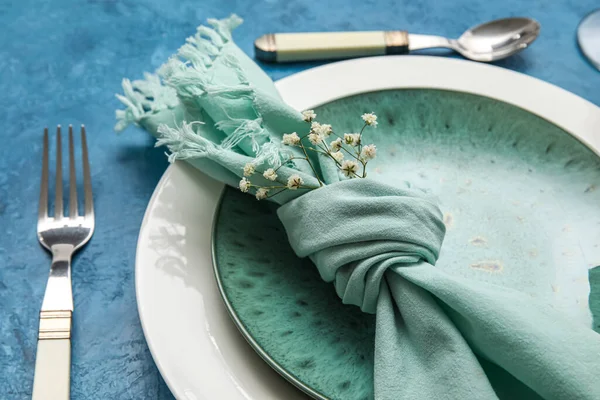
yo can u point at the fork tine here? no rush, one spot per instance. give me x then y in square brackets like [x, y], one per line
[43, 207]
[58, 200]
[87, 178]
[72, 177]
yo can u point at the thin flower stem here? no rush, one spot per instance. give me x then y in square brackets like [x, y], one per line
[293, 158]
[310, 163]
[317, 150]
[360, 138]
[283, 187]
[333, 133]
[363, 128]
[346, 150]
[305, 136]
[270, 187]
[276, 193]
[334, 160]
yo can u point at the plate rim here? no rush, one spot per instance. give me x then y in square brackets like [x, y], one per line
[335, 82]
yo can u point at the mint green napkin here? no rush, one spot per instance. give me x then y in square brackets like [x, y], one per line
[438, 335]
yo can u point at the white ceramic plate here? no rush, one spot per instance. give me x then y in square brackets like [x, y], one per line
[197, 348]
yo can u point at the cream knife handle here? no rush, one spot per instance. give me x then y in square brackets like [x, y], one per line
[287, 47]
[52, 370]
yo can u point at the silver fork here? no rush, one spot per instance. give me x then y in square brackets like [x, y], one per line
[62, 236]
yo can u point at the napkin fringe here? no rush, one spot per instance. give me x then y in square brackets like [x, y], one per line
[187, 76]
[142, 98]
[270, 153]
[243, 129]
[183, 142]
[148, 96]
[189, 73]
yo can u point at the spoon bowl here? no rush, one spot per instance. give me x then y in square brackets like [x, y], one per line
[497, 39]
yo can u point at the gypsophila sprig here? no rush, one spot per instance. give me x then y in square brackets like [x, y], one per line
[349, 168]
[245, 185]
[338, 156]
[315, 138]
[249, 169]
[270, 174]
[368, 152]
[352, 139]
[308, 115]
[325, 130]
[347, 153]
[336, 145]
[262, 193]
[291, 139]
[370, 119]
[294, 182]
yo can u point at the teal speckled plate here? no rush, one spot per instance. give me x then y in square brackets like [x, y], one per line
[514, 188]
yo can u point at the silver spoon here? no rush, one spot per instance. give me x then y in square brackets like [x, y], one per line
[491, 41]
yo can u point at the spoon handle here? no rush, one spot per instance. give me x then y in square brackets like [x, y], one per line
[289, 47]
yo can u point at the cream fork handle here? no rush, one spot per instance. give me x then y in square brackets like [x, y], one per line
[53, 359]
[52, 370]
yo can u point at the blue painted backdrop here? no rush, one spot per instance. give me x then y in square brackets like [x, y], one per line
[61, 62]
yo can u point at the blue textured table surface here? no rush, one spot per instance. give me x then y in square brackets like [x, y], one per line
[62, 61]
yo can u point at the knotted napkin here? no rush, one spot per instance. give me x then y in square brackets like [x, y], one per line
[437, 336]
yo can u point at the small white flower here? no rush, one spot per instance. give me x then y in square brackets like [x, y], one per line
[315, 138]
[349, 168]
[262, 193]
[336, 145]
[370, 119]
[315, 127]
[325, 130]
[368, 152]
[291, 139]
[249, 169]
[245, 185]
[337, 156]
[294, 182]
[308, 115]
[352, 139]
[270, 174]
